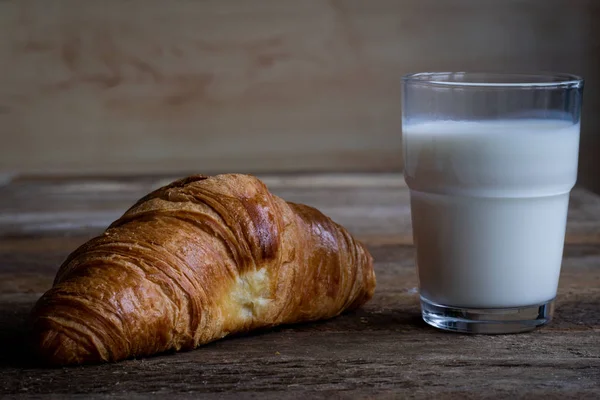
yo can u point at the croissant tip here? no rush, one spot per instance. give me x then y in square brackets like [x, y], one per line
[54, 347]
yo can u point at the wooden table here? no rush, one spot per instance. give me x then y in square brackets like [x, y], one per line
[383, 350]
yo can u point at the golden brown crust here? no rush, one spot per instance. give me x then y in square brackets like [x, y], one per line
[193, 262]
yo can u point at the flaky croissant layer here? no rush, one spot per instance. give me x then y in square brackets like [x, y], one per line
[192, 262]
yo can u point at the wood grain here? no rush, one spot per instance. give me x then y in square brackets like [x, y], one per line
[138, 86]
[383, 350]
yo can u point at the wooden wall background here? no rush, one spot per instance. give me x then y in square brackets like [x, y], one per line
[119, 86]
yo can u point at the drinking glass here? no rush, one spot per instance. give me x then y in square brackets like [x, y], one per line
[490, 160]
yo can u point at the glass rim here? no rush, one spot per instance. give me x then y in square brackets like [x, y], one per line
[494, 79]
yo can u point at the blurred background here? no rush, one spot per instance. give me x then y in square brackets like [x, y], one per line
[156, 87]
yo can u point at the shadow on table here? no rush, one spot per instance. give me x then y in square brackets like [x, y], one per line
[397, 320]
[15, 348]
[576, 315]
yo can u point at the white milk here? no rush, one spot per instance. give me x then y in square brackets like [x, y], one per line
[489, 207]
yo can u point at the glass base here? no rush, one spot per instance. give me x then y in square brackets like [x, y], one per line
[487, 320]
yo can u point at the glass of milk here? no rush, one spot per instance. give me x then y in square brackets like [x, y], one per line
[490, 160]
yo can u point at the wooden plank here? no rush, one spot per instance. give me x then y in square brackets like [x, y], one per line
[382, 349]
[6, 178]
[142, 86]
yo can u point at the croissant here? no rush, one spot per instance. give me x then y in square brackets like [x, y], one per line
[193, 262]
